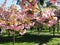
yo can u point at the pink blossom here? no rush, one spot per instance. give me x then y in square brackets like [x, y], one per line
[27, 26]
[52, 22]
[20, 27]
[53, 1]
[22, 5]
[22, 33]
[32, 24]
[41, 19]
[31, 16]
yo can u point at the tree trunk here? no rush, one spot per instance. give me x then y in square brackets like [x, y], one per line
[53, 30]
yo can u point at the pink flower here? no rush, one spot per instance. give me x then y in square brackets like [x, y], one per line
[24, 0]
[21, 27]
[1, 10]
[32, 24]
[53, 1]
[22, 33]
[51, 22]
[35, 2]
[54, 20]
[31, 16]
[22, 5]
[41, 19]
[27, 26]
[29, 5]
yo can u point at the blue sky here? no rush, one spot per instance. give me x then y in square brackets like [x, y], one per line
[9, 2]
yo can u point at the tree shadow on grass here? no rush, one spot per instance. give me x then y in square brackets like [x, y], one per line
[28, 38]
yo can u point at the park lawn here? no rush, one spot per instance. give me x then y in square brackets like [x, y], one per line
[31, 38]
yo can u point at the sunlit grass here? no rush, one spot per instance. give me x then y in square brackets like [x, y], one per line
[31, 38]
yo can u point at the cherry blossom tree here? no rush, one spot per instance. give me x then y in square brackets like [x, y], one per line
[12, 19]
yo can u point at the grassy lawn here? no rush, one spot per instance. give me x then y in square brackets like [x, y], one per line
[31, 38]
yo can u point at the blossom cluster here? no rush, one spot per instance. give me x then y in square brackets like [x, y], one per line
[15, 20]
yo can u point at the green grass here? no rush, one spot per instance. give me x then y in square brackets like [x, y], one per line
[54, 41]
[31, 38]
